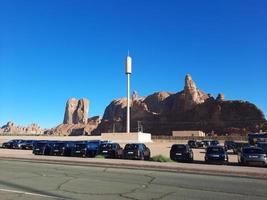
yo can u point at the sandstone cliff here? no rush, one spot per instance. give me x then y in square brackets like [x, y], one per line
[12, 128]
[76, 121]
[190, 109]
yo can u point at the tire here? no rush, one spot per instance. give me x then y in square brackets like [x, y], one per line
[147, 157]
[142, 156]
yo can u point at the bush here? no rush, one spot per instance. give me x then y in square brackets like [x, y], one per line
[160, 158]
[100, 157]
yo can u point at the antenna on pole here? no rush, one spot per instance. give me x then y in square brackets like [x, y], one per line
[128, 71]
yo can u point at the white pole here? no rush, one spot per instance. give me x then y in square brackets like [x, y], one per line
[128, 65]
[128, 103]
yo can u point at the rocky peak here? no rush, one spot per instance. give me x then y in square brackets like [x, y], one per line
[76, 111]
[189, 83]
[192, 96]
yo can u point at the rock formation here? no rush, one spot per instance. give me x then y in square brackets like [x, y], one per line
[12, 128]
[76, 121]
[76, 111]
[190, 109]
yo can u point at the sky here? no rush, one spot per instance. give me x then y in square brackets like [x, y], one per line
[53, 50]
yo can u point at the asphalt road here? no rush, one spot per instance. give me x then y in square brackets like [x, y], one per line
[25, 180]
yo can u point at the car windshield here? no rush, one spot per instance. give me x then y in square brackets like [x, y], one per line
[41, 144]
[214, 142]
[80, 146]
[131, 146]
[253, 151]
[241, 144]
[179, 148]
[59, 145]
[216, 150]
[263, 146]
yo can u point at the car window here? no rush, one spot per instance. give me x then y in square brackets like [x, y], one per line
[179, 148]
[253, 151]
[215, 150]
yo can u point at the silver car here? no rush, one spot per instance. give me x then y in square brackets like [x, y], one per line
[252, 156]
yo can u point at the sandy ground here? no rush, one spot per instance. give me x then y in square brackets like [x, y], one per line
[157, 147]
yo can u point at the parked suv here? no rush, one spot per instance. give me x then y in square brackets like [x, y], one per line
[207, 143]
[42, 147]
[229, 145]
[12, 144]
[111, 150]
[181, 152]
[27, 144]
[216, 154]
[136, 151]
[262, 145]
[62, 148]
[192, 143]
[86, 148]
[252, 156]
[239, 145]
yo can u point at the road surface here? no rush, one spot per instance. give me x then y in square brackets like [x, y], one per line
[27, 181]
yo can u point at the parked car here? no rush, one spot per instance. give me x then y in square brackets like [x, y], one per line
[181, 152]
[199, 144]
[192, 143]
[12, 144]
[216, 154]
[62, 148]
[43, 147]
[262, 145]
[207, 143]
[229, 145]
[86, 148]
[136, 151]
[252, 156]
[239, 145]
[27, 144]
[111, 150]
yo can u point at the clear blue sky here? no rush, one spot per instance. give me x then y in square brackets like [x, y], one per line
[52, 50]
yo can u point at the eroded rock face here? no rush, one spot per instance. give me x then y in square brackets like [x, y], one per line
[75, 129]
[76, 111]
[11, 127]
[76, 121]
[190, 109]
[192, 96]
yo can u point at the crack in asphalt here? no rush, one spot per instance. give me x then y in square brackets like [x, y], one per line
[163, 196]
[211, 190]
[124, 195]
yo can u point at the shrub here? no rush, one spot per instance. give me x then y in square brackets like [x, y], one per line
[160, 158]
[100, 157]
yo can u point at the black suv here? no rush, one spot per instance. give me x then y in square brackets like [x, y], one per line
[181, 152]
[43, 147]
[262, 145]
[12, 144]
[27, 144]
[111, 150]
[239, 145]
[86, 148]
[207, 143]
[62, 148]
[229, 145]
[192, 143]
[136, 151]
[216, 154]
